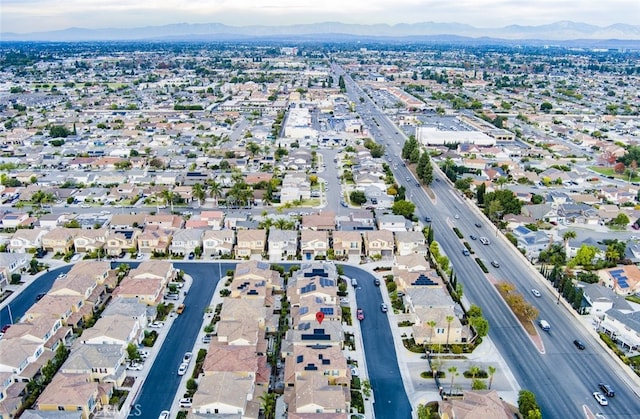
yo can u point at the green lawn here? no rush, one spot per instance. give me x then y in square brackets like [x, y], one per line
[608, 171]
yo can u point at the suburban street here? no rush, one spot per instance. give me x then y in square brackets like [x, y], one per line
[382, 363]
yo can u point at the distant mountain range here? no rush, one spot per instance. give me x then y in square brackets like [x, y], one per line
[427, 31]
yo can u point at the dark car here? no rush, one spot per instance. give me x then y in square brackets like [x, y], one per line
[376, 282]
[607, 390]
[478, 225]
[427, 219]
[360, 314]
[579, 344]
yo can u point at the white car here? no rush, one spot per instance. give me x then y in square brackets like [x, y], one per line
[135, 366]
[187, 357]
[164, 414]
[182, 369]
[186, 402]
[535, 292]
[354, 371]
[600, 398]
[156, 324]
[143, 354]
[62, 275]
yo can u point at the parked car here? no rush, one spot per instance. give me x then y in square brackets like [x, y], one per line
[186, 402]
[182, 369]
[206, 338]
[187, 357]
[384, 308]
[606, 389]
[156, 324]
[135, 366]
[600, 398]
[180, 309]
[579, 344]
[360, 314]
[535, 292]
[354, 371]
[62, 275]
[164, 414]
[376, 282]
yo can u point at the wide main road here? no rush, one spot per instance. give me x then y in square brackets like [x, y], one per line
[563, 377]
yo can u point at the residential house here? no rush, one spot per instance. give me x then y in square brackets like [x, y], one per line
[412, 262]
[86, 241]
[218, 242]
[153, 240]
[16, 219]
[11, 263]
[226, 394]
[623, 280]
[26, 240]
[164, 221]
[122, 240]
[99, 363]
[127, 221]
[59, 240]
[532, 242]
[313, 244]
[250, 243]
[347, 245]
[322, 221]
[477, 404]
[379, 244]
[113, 330]
[187, 241]
[73, 393]
[391, 222]
[283, 244]
[214, 219]
[408, 242]
[447, 329]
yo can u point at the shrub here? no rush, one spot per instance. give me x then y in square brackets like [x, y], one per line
[482, 266]
[458, 233]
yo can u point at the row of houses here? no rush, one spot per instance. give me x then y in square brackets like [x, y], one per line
[96, 361]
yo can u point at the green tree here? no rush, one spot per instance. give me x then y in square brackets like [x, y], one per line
[199, 192]
[357, 197]
[424, 411]
[621, 220]
[404, 208]
[268, 405]
[480, 325]
[480, 191]
[449, 321]
[478, 385]
[527, 402]
[546, 107]
[492, 372]
[132, 352]
[59, 131]
[584, 256]
[424, 169]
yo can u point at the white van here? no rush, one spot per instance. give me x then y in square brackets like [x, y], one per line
[354, 282]
[544, 325]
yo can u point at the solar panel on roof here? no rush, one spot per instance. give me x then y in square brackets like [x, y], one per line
[304, 310]
[308, 288]
[328, 311]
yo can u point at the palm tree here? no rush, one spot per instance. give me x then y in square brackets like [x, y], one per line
[492, 371]
[432, 325]
[449, 320]
[268, 404]
[168, 197]
[215, 190]
[198, 192]
[612, 254]
[454, 372]
[566, 236]
[474, 371]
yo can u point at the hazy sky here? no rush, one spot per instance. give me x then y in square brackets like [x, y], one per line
[43, 15]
